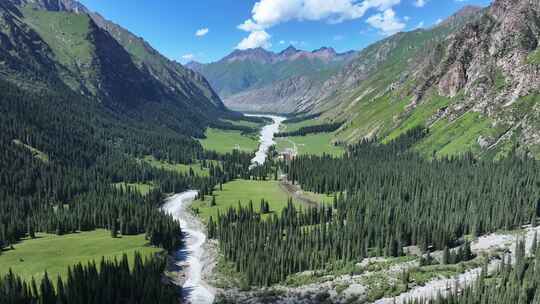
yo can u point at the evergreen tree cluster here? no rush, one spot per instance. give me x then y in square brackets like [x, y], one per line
[397, 196]
[303, 131]
[112, 282]
[297, 119]
[511, 284]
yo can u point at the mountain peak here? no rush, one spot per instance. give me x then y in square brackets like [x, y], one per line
[463, 14]
[325, 51]
[55, 5]
[290, 50]
[256, 54]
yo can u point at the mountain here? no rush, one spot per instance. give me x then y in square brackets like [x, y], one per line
[279, 82]
[62, 42]
[473, 81]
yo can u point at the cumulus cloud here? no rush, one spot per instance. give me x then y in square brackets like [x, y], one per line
[254, 40]
[387, 22]
[267, 13]
[188, 57]
[202, 32]
[420, 3]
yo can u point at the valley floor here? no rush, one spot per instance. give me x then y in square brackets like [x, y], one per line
[54, 254]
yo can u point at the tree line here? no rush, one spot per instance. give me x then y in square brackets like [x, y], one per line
[113, 282]
[511, 283]
[303, 131]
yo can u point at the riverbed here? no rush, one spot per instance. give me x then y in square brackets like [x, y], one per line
[193, 256]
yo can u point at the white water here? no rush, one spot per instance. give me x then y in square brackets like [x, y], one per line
[195, 290]
[267, 137]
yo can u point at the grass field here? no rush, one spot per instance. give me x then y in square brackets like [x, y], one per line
[180, 168]
[51, 253]
[226, 141]
[142, 188]
[315, 144]
[246, 190]
[291, 127]
[243, 191]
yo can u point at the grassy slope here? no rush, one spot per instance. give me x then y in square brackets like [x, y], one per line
[226, 141]
[451, 138]
[67, 36]
[54, 254]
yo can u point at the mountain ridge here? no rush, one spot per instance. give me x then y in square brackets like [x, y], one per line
[115, 65]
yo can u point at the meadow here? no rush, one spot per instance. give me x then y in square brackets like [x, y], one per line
[54, 254]
[224, 141]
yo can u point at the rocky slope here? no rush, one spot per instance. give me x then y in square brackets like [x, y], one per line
[473, 81]
[263, 81]
[63, 42]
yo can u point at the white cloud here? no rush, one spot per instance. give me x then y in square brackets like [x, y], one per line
[202, 32]
[188, 57]
[419, 25]
[420, 3]
[267, 13]
[386, 22]
[282, 42]
[254, 40]
[438, 21]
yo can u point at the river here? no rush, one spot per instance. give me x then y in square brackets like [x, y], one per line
[193, 257]
[266, 138]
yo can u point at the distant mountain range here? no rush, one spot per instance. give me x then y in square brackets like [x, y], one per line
[278, 81]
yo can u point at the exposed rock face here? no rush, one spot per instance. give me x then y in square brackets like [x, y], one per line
[489, 63]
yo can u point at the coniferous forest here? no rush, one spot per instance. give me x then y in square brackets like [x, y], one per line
[61, 156]
[517, 283]
[388, 198]
[107, 282]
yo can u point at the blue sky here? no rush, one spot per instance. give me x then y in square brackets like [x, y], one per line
[207, 30]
